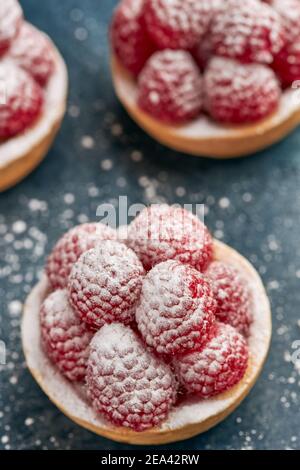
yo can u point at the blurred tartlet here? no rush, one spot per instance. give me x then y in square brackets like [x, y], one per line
[209, 78]
[33, 92]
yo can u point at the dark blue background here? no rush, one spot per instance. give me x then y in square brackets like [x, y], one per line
[253, 204]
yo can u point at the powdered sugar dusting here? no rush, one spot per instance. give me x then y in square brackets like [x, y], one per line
[204, 127]
[249, 30]
[32, 51]
[23, 100]
[64, 336]
[177, 24]
[176, 309]
[72, 399]
[240, 93]
[10, 18]
[105, 284]
[219, 366]
[54, 108]
[289, 11]
[126, 382]
[170, 87]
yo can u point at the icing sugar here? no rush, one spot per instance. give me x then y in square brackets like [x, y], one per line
[72, 399]
[54, 108]
[203, 126]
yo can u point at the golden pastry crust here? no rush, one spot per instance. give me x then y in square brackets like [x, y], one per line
[202, 137]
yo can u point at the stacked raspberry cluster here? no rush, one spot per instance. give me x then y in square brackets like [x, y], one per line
[26, 64]
[141, 318]
[229, 59]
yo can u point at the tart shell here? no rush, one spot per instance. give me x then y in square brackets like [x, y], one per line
[23, 152]
[204, 137]
[189, 418]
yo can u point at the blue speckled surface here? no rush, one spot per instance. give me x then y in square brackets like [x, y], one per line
[253, 204]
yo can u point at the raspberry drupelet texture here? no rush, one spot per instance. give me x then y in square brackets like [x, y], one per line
[105, 284]
[32, 51]
[177, 24]
[11, 17]
[170, 87]
[234, 302]
[287, 64]
[240, 93]
[128, 384]
[130, 40]
[248, 30]
[219, 366]
[23, 100]
[163, 232]
[64, 337]
[176, 309]
[289, 11]
[71, 246]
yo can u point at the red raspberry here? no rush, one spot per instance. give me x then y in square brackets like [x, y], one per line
[287, 64]
[11, 16]
[71, 246]
[220, 365]
[65, 339]
[23, 100]
[163, 232]
[240, 93]
[248, 30]
[177, 24]
[232, 295]
[289, 11]
[170, 87]
[105, 284]
[176, 310]
[33, 52]
[127, 383]
[129, 36]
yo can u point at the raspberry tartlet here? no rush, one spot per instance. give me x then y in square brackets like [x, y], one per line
[144, 352]
[33, 92]
[208, 78]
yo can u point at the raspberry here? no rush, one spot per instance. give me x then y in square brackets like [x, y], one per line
[105, 284]
[287, 64]
[248, 30]
[163, 232]
[232, 295]
[129, 37]
[33, 52]
[65, 339]
[71, 246]
[289, 11]
[220, 365]
[170, 87]
[176, 310]
[240, 93]
[11, 16]
[23, 100]
[126, 383]
[177, 24]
